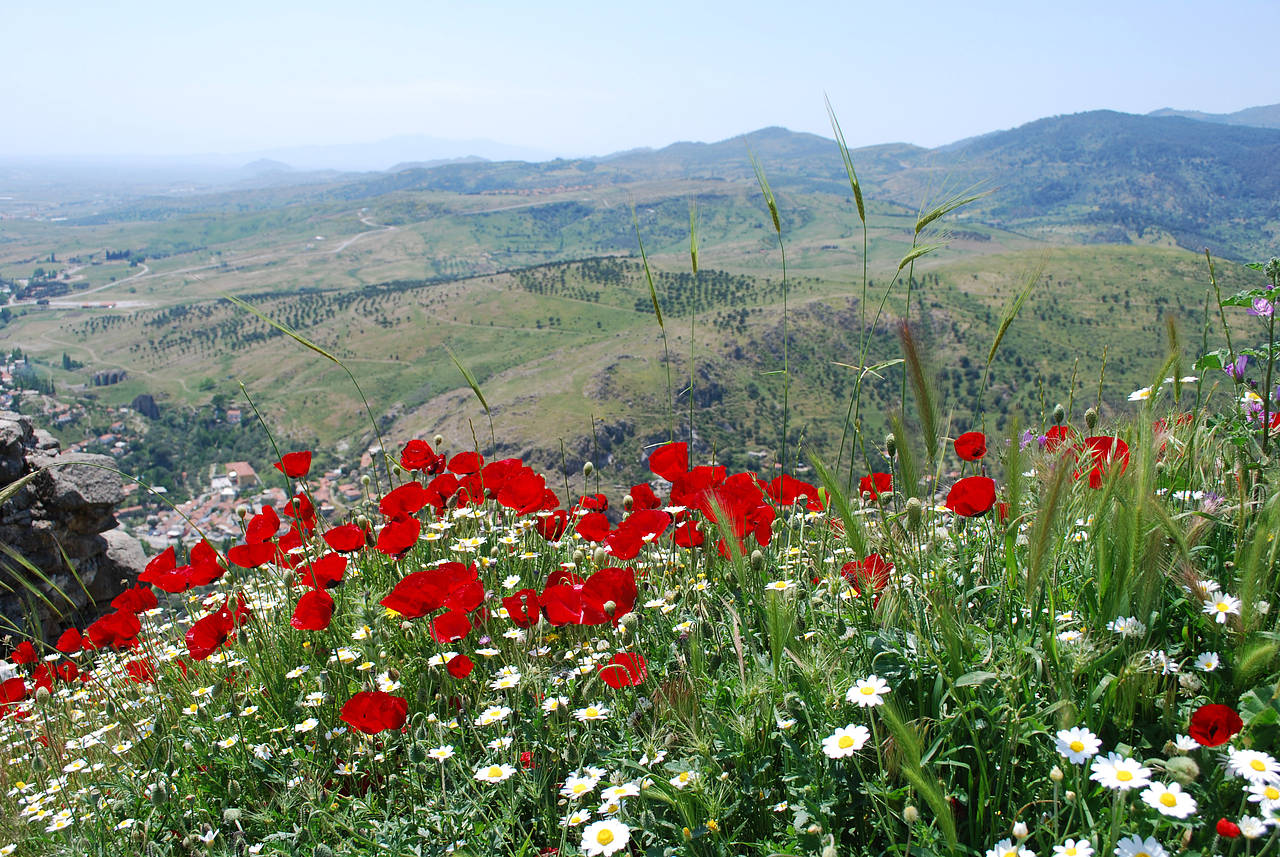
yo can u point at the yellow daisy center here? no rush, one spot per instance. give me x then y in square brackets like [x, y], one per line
[495, 771]
[1071, 852]
[592, 712]
[1124, 776]
[845, 742]
[1076, 746]
[605, 836]
[867, 690]
[1272, 793]
[1257, 765]
[1168, 799]
[1223, 606]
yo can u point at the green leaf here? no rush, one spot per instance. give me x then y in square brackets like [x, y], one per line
[977, 677]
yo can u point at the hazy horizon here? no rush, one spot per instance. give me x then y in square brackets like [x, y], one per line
[149, 80]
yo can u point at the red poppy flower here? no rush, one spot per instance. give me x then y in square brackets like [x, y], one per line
[1105, 454]
[139, 599]
[450, 626]
[551, 527]
[459, 666]
[593, 502]
[527, 762]
[593, 527]
[314, 611]
[693, 487]
[205, 568]
[251, 555]
[116, 630]
[584, 603]
[466, 462]
[295, 465]
[405, 501]
[262, 526]
[140, 671]
[422, 592]
[373, 711]
[12, 690]
[688, 535]
[418, 455]
[642, 497]
[639, 528]
[972, 496]
[162, 572]
[1213, 725]
[1227, 829]
[523, 491]
[785, 490]
[522, 608]
[348, 537]
[301, 509]
[876, 484]
[872, 572]
[71, 642]
[670, 460]
[625, 669]
[24, 654]
[971, 445]
[1055, 437]
[209, 632]
[398, 536]
[325, 573]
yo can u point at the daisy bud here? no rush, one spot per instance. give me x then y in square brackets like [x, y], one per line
[438, 440]
[1070, 796]
[1056, 774]
[1020, 831]
[915, 510]
[891, 445]
[588, 468]
[242, 511]
[1059, 414]
[814, 829]
[600, 557]
[910, 814]
[628, 502]
[1091, 418]
[757, 559]
[1183, 769]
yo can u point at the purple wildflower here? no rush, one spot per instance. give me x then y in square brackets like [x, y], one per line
[1236, 370]
[1262, 307]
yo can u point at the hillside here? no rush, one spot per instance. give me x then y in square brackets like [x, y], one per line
[1266, 116]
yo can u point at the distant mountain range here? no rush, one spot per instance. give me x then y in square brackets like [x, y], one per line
[1267, 116]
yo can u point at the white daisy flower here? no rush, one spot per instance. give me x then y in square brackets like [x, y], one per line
[684, 779]
[494, 773]
[441, 753]
[1074, 848]
[1252, 765]
[1077, 744]
[1119, 772]
[845, 741]
[1208, 662]
[1251, 827]
[1266, 795]
[1169, 800]
[1007, 848]
[604, 837]
[1136, 846]
[1222, 606]
[868, 692]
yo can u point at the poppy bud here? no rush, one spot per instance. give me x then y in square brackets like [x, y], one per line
[1056, 774]
[910, 814]
[242, 511]
[1070, 796]
[891, 445]
[159, 795]
[38, 763]
[230, 815]
[365, 480]
[600, 557]
[417, 755]
[438, 440]
[610, 607]
[588, 468]
[578, 557]
[322, 850]
[1091, 418]
[628, 502]
[233, 789]
[1227, 828]
[1183, 769]
[42, 695]
[1059, 414]
[915, 510]
[757, 559]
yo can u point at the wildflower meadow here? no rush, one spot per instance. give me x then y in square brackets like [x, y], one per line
[1059, 636]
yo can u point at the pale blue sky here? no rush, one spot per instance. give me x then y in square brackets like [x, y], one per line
[589, 78]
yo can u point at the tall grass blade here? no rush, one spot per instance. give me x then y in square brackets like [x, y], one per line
[922, 779]
[925, 402]
[948, 205]
[848, 163]
[469, 378]
[657, 311]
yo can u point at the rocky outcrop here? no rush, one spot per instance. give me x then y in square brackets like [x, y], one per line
[63, 523]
